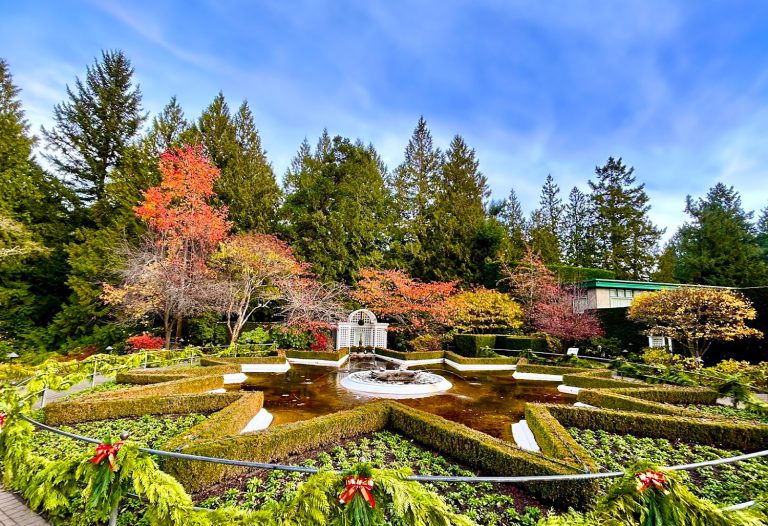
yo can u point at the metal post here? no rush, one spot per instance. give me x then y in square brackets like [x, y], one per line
[42, 399]
[93, 377]
[113, 514]
[146, 354]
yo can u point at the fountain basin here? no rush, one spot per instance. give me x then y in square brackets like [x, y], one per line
[423, 383]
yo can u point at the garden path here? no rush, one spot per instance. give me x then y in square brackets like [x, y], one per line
[13, 512]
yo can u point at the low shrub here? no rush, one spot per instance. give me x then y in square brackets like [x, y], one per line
[332, 356]
[519, 343]
[231, 360]
[612, 399]
[549, 369]
[154, 376]
[144, 342]
[715, 432]
[588, 380]
[230, 421]
[500, 360]
[432, 355]
[470, 344]
[274, 443]
[554, 440]
[426, 343]
[90, 410]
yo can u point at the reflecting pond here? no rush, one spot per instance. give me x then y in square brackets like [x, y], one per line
[487, 401]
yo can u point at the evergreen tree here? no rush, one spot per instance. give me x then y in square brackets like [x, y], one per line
[512, 218]
[666, 267]
[336, 208]
[247, 184]
[33, 209]
[626, 239]
[545, 227]
[578, 226]
[96, 125]
[455, 218]
[719, 246]
[762, 233]
[167, 129]
[412, 185]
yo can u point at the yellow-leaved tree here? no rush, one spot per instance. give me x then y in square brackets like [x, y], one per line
[483, 311]
[695, 316]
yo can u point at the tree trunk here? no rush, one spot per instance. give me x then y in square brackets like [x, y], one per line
[179, 321]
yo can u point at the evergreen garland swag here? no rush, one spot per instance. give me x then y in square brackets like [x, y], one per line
[52, 486]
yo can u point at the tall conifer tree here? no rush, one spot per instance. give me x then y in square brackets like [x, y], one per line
[512, 218]
[96, 125]
[546, 223]
[718, 246]
[578, 227]
[626, 238]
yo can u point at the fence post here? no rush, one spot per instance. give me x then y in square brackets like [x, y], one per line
[42, 399]
[93, 377]
[113, 514]
[146, 354]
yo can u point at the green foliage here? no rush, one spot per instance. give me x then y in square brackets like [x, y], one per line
[336, 208]
[625, 237]
[484, 356]
[469, 345]
[426, 343]
[412, 355]
[554, 440]
[534, 344]
[257, 335]
[718, 246]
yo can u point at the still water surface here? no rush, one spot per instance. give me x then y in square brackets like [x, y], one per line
[488, 402]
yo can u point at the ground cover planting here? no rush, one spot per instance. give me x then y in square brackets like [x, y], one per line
[724, 485]
[485, 503]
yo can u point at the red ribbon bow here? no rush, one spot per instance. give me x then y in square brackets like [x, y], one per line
[650, 478]
[107, 452]
[364, 486]
[2, 421]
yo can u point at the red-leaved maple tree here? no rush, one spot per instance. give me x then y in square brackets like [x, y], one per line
[416, 307]
[167, 273]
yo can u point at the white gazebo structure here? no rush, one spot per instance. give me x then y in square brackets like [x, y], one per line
[362, 330]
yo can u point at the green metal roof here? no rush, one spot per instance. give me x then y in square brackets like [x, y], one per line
[622, 284]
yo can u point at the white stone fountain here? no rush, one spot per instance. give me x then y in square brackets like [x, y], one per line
[398, 382]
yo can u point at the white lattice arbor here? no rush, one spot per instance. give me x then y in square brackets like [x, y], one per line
[362, 330]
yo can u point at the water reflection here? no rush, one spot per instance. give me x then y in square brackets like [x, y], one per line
[488, 402]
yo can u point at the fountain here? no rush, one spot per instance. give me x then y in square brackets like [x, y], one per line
[397, 382]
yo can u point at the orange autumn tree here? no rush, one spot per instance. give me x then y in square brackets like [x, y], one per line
[167, 274]
[255, 271]
[416, 307]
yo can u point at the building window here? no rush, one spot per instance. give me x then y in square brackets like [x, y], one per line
[621, 297]
[659, 342]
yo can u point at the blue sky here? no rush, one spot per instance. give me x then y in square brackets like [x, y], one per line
[678, 89]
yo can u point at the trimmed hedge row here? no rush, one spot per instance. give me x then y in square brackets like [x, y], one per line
[331, 356]
[207, 361]
[548, 369]
[612, 399]
[91, 410]
[715, 432]
[469, 345]
[155, 376]
[554, 440]
[230, 421]
[479, 361]
[490, 454]
[460, 442]
[275, 443]
[426, 355]
[586, 381]
[520, 343]
[673, 394]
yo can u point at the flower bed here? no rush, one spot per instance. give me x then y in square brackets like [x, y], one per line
[725, 485]
[487, 504]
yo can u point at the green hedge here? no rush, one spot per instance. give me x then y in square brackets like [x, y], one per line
[490, 454]
[714, 432]
[548, 369]
[586, 381]
[521, 343]
[91, 410]
[479, 361]
[611, 399]
[206, 361]
[429, 355]
[154, 376]
[275, 443]
[469, 345]
[230, 421]
[334, 356]
[554, 440]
